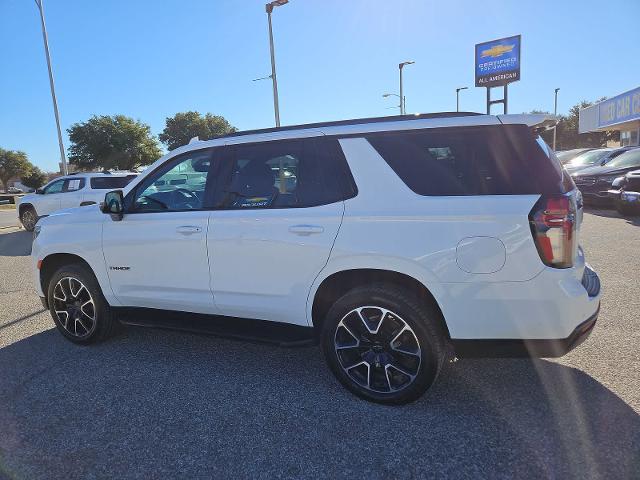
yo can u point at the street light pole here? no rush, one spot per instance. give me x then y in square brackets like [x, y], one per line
[400, 67]
[276, 106]
[458, 97]
[555, 113]
[63, 158]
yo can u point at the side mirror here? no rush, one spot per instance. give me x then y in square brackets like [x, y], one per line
[114, 204]
[39, 191]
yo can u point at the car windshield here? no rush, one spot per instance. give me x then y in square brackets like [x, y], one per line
[627, 159]
[592, 157]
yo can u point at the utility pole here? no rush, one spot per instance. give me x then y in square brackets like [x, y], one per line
[458, 97]
[400, 67]
[276, 106]
[63, 158]
[555, 113]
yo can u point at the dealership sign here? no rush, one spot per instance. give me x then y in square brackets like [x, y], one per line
[498, 62]
[619, 109]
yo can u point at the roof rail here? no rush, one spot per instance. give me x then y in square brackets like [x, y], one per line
[355, 121]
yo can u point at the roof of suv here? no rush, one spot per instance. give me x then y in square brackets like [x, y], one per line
[100, 174]
[374, 124]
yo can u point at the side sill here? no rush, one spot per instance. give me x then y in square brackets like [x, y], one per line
[518, 348]
[259, 331]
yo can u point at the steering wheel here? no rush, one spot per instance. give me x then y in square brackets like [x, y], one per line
[188, 196]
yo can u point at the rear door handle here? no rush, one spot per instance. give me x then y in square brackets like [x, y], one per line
[306, 229]
[188, 229]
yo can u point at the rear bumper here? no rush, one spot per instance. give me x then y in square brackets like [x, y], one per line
[547, 348]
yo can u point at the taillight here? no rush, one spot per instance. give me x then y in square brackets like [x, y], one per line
[553, 225]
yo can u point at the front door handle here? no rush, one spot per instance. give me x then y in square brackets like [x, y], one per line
[188, 229]
[306, 229]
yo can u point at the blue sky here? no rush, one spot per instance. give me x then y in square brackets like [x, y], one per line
[151, 59]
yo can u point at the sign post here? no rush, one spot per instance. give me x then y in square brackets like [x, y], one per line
[497, 64]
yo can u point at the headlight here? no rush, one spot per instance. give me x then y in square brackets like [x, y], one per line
[36, 231]
[607, 178]
[617, 182]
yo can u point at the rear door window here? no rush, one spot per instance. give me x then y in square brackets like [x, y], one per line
[73, 184]
[282, 174]
[110, 183]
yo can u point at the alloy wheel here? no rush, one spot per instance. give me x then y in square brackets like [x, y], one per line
[29, 219]
[74, 307]
[377, 349]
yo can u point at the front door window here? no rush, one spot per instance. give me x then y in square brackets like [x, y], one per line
[55, 187]
[179, 186]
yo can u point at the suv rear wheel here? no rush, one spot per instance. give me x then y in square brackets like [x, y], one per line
[78, 307]
[29, 218]
[383, 344]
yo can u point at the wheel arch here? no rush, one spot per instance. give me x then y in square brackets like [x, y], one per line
[52, 262]
[338, 283]
[23, 206]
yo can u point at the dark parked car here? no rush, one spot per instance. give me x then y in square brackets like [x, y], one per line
[595, 182]
[593, 158]
[625, 193]
[565, 156]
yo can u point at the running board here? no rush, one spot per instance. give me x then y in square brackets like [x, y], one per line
[260, 331]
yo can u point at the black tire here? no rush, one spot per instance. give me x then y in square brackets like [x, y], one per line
[28, 218]
[627, 210]
[423, 320]
[79, 328]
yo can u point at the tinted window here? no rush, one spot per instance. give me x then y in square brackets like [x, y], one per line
[177, 185]
[110, 183]
[471, 161]
[283, 174]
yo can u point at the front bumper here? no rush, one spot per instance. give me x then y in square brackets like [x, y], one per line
[600, 197]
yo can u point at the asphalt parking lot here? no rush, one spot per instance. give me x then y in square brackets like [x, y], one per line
[8, 218]
[158, 404]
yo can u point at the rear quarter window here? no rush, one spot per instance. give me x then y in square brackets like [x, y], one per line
[110, 183]
[491, 160]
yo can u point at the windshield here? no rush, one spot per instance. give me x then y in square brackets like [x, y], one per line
[627, 159]
[592, 157]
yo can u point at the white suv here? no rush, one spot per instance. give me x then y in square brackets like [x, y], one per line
[392, 242]
[75, 190]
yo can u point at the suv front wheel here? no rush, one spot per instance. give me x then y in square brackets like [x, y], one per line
[78, 307]
[383, 344]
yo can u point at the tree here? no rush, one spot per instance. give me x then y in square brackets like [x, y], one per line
[34, 179]
[112, 143]
[12, 164]
[567, 136]
[183, 126]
